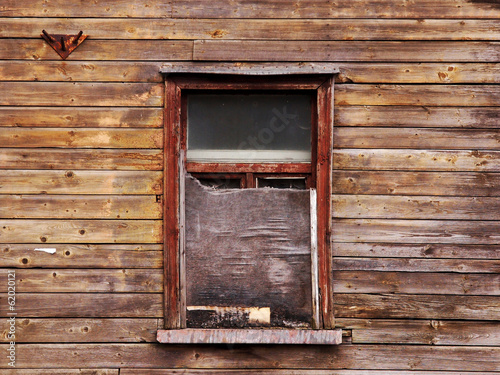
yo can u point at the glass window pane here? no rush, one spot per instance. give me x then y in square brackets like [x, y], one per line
[251, 127]
[282, 183]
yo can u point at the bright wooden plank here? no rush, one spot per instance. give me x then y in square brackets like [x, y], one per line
[257, 29]
[85, 305]
[340, 51]
[82, 256]
[80, 182]
[407, 116]
[416, 283]
[81, 94]
[80, 231]
[81, 117]
[85, 330]
[416, 231]
[87, 280]
[39, 371]
[417, 160]
[128, 159]
[473, 184]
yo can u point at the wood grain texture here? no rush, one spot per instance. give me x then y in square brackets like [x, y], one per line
[80, 182]
[81, 117]
[85, 330]
[417, 283]
[87, 281]
[420, 116]
[407, 306]
[73, 256]
[258, 29]
[128, 159]
[381, 357]
[417, 160]
[80, 231]
[445, 251]
[81, 94]
[85, 305]
[340, 51]
[415, 231]
[466, 184]
[60, 372]
[130, 371]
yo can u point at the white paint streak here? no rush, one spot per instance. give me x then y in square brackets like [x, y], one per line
[47, 250]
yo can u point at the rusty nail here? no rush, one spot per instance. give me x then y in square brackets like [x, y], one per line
[47, 35]
[75, 41]
[63, 47]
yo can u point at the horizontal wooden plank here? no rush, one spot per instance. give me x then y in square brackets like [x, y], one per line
[81, 94]
[85, 330]
[417, 160]
[131, 371]
[475, 184]
[81, 117]
[416, 283]
[85, 305]
[146, 356]
[458, 251]
[416, 231]
[101, 8]
[60, 372]
[80, 231]
[129, 159]
[94, 50]
[426, 95]
[403, 306]
[80, 207]
[430, 332]
[87, 280]
[407, 116]
[80, 182]
[465, 266]
[81, 256]
[102, 71]
[416, 138]
[258, 29]
[339, 9]
[408, 207]
[339, 51]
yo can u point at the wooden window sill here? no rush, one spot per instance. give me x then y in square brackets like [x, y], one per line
[250, 336]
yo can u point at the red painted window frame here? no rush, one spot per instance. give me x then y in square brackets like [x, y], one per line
[320, 169]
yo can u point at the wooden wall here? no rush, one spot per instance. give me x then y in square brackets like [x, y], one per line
[416, 180]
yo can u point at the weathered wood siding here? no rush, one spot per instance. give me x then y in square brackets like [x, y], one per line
[416, 180]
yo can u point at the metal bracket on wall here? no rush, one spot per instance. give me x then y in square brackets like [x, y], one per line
[64, 44]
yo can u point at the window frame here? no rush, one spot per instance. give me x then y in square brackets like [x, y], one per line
[320, 168]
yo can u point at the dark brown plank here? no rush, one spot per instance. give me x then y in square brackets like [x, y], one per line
[474, 184]
[407, 116]
[82, 256]
[81, 94]
[87, 281]
[422, 207]
[416, 138]
[130, 371]
[255, 29]
[85, 305]
[445, 251]
[340, 51]
[339, 9]
[464, 266]
[430, 332]
[146, 356]
[80, 159]
[423, 95]
[416, 231]
[60, 372]
[417, 160]
[416, 283]
[94, 50]
[80, 182]
[404, 306]
[71, 117]
[80, 207]
[85, 330]
[80, 231]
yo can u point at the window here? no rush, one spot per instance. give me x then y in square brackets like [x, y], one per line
[247, 208]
